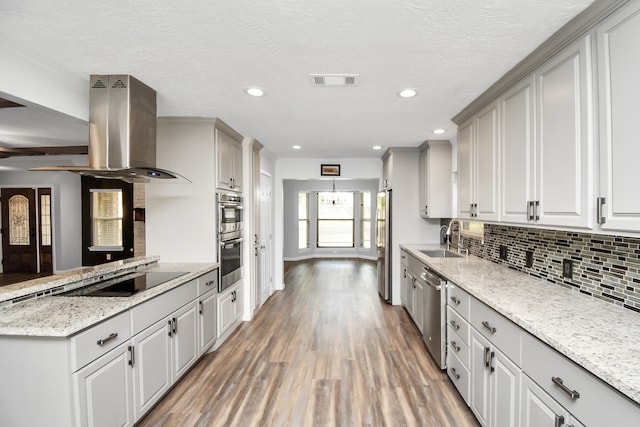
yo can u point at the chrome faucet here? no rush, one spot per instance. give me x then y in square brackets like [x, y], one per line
[448, 233]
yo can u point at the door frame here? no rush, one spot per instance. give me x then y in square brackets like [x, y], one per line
[36, 189]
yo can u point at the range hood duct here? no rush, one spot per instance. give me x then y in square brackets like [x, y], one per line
[122, 131]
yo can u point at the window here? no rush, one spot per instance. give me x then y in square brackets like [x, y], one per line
[106, 218]
[335, 219]
[303, 220]
[19, 221]
[365, 220]
[45, 219]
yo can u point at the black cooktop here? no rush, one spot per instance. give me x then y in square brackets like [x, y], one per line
[125, 286]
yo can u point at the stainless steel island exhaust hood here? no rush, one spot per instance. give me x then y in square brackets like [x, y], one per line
[122, 131]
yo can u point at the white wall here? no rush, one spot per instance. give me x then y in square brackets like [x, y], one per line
[356, 168]
[66, 211]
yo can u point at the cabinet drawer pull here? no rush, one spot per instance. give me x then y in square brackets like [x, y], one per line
[209, 283]
[455, 346]
[200, 304]
[455, 300]
[559, 421]
[487, 357]
[489, 327]
[175, 326]
[103, 341]
[170, 328]
[573, 394]
[454, 373]
[454, 324]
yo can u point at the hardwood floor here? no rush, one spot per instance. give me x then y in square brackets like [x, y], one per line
[325, 351]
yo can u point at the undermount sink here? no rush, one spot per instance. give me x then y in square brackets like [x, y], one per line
[440, 253]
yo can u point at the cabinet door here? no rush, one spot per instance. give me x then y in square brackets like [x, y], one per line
[225, 312]
[185, 339]
[485, 153]
[423, 183]
[516, 142]
[564, 138]
[410, 293]
[505, 390]
[225, 151]
[465, 171]
[237, 166]
[238, 303]
[104, 389]
[538, 408]
[152, 368]
[480, 380]
[618, 71]
[404, 283]
[208, 332]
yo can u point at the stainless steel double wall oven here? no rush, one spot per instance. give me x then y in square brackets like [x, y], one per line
[230, 217]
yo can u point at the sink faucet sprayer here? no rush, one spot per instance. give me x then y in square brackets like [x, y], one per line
[448, 234]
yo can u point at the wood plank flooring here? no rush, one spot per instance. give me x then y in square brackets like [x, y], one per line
[324, 352]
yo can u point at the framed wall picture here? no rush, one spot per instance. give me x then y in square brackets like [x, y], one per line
[329, 170]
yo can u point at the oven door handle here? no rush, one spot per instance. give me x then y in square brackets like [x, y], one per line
[230, 243]
[232, 206]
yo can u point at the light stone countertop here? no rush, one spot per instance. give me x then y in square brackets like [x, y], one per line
[601, 337]
[60, 316]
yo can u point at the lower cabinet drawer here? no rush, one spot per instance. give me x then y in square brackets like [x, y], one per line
[591, 400]
[98, 340]
[456, 323]
[459, 375]
[457, 346]
[496, 328]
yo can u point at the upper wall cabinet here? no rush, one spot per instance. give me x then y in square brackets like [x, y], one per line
[435, 179]
[564, 139]
[547, 179]
[478, 166]
[228, 158]
[618, 41]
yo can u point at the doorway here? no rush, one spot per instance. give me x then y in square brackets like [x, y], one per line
[27, 237]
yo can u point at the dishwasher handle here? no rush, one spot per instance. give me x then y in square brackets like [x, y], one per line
[432, 279]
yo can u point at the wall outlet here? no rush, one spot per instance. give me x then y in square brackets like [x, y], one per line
[567, 268]
[503, 252]
[528, 262]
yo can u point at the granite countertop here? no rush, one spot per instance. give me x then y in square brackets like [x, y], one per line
[599, 336]
[60, 316]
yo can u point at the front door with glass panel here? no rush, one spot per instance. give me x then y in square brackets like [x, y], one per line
[107, 220]
[19, 242]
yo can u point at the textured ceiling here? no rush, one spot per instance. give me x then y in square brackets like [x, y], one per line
[200, 55]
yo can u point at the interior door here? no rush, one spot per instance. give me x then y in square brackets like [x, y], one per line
[19, 242]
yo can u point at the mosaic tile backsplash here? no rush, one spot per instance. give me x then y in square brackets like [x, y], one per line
[605, 267]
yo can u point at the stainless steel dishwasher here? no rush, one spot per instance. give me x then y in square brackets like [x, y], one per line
[434, 324]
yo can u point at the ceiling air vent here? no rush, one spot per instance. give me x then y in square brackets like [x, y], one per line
[333, 79]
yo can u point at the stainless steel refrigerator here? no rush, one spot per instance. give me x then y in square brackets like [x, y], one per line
[383, 243]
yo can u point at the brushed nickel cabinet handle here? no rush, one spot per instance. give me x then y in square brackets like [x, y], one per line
[200, 304]
[455, 346]
[454, 373]
[487, 357]
[455, 300]
[488, 326]
[103, 341]
[559, 421]
[209, 283]
[170, 328]
[601, 219]
[454, 324]
[132, 355]
[573, 394]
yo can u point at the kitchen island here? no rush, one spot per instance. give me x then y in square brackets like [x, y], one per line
[600, 337]
[86, 360]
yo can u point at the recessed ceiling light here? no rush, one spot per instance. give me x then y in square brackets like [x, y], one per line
[296, 147]
[439, 131]
[254, 91]
[377, 147]
[407, 93]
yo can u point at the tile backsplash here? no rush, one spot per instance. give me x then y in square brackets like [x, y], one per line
[604, 266]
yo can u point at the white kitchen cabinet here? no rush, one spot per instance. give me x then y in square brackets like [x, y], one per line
[228, 158]
[495, 384]
[478, 166]
[230, 309]
[184, 339]
[404, 278]
[564, 138]
[517, 152]
[618, 38]
[152, 366]
[458, 340]
[105, 390]
[539, 409]
[208, 305]
[435, 179]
